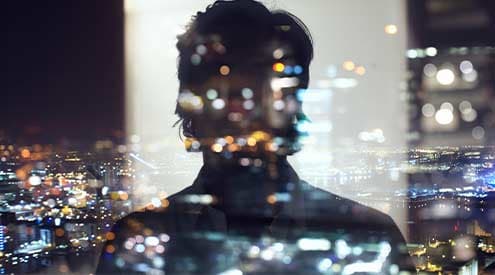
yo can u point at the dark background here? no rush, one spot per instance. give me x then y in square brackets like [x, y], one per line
[63, 72]
[63, 61]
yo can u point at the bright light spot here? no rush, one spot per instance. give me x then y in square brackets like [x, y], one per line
[140, 248]
[298, 69]
[156, 202]
[430, 70]
[253, 251]
[224, 70]
[448, 106]
[342, 249]
[444, 116]
[247, 93]
[445, 76]
[307, 244]
[357, 250]
[278, 105]
[267, 254]
[25, 153]
[158, 262]
[391, 29]
[360, 70]
[288, 69]
[164, 237]
[195, 59]
[218, 103]
[466, 67]
[217, 148]
[465, 106]
[231, 272]
[72, 201]
[201, 49]
[251, 141]
[348, 65]
[34, 180]
[374, 136]
[324, 265]
[104, 190]
[211, 94]
[431, 51]
[278, 67]
[471, 76]
[248, 104]
[278, 53]
[151, 241]
[190, 101]
[285, 82]
[469, 115]
[428, 110]
[478, 132]
[412, 53]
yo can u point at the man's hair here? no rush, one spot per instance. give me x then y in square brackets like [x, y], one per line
[242, 25]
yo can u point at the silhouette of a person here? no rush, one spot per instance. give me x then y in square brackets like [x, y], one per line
[242, 69]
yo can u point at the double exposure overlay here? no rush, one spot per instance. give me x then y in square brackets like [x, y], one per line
[237, 137]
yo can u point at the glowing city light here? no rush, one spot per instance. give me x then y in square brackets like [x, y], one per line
[466, 66]
[431, 51]
[428, 110]
[348, 65]
[278, 53]
[278, 67]
[478, 132]
[430, 70]
[445, 76]
[471, 76]
[444, 116]
[391, 29]
[218, 104]
[224, 70]
[360, 70]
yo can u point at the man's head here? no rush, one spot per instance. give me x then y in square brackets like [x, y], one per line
[241, 68]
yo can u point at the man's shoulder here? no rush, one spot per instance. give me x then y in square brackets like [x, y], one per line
[342, 209]
[155, 216]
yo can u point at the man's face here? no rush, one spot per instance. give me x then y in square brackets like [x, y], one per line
[242, 97]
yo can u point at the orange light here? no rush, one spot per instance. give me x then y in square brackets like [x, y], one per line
[233, 147]
[110, 249]
[110, 236]
[21, 174]
[188, 143]
[224, 70]
[229, 139]
[25, 153]
[59, 232]
[360, 70]
[124, 196]
[271, 199]
[278, 67]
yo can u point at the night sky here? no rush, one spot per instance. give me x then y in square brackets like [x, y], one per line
[64, 70]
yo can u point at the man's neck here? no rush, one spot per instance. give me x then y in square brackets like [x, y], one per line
[247, 182]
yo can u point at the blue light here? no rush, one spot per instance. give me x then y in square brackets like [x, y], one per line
[298, 69]
[2, 237]
[288, 69]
